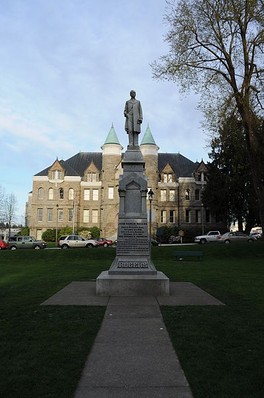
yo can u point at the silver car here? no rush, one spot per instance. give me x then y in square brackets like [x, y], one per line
[25, 242]
[236, 237]
[76, 241]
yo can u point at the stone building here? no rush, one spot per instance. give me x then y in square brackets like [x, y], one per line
[82, 191]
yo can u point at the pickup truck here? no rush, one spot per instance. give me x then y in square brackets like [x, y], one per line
[211, 236]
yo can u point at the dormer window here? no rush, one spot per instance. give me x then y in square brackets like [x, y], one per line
[167, 178]
[56, 175]
[91, 177]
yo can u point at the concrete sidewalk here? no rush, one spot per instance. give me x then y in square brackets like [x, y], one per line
[132, 356]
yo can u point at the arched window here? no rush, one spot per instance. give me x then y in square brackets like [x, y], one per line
[61, 193]
[187, 194]
[71, 194]
[40, 193]
[50, 193]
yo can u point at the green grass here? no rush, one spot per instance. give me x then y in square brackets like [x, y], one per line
[221, 349]
[43, 348]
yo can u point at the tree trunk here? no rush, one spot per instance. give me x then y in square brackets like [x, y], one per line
[254, 130]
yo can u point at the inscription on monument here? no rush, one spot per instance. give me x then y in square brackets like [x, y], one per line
[132, 264]
[132, 237]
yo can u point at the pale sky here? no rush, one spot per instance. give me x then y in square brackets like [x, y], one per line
[66, 70]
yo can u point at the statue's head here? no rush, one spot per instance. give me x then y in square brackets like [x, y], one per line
[132, 94]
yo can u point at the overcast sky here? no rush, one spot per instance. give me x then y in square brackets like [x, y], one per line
[66, 70]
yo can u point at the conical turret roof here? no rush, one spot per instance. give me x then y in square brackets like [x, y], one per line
[148, 138]
[112, 137]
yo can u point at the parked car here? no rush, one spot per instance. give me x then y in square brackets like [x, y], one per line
[236, 237]
[174, 239]
[76, 241]
[256, 235]
[3, 245]
[104, 242]
[25, 242]
[211, 236]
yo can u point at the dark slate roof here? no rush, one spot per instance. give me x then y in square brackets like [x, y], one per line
[77, 164]
[181, 166]
[82, 160]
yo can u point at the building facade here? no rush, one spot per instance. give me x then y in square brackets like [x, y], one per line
[82, 191]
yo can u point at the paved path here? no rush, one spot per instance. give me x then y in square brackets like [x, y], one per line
[132, 356]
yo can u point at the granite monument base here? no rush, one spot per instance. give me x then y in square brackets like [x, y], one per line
[132, 285]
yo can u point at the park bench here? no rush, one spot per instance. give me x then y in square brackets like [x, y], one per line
[182, 254]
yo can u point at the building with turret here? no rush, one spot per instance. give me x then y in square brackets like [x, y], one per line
[82, 191]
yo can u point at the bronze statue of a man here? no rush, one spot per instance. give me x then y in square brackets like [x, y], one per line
[134, 117]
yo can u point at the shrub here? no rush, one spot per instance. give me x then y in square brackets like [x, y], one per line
[49, 235]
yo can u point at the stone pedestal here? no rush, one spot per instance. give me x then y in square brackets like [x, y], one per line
[132, 271]
[132, 285]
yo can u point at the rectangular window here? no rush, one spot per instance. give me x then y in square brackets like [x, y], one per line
[163, 216]
[56, 175]
[70, 214]
[110, 192]
[167, 178]
[172, 216]
[86, 194]
[95, 194]
[40, 214]
[198, 216]
[60, 215]
[172, 195]
[163, 197]
[197, 194]
[94, 216]
[50, 215]
[91, 177]
[86, 216]
[187, 216]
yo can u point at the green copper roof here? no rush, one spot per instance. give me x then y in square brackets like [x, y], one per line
[112, 137]
[148, 138]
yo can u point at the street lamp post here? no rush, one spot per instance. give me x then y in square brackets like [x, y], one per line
[150, 197]
[56, 223]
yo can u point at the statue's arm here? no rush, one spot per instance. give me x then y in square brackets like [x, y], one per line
[140, 113]
[126, 109]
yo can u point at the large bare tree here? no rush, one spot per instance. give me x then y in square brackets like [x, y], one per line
[10, 208]
[2, 202]
[216, 47]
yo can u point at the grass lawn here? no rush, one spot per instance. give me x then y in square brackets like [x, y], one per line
[43, 349]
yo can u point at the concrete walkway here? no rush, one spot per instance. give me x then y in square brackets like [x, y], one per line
[132, 356]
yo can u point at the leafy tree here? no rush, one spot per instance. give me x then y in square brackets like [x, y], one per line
[24, 231]
[216, 47]
[229, 192]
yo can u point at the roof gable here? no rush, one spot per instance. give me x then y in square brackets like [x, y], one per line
[77, 164]
[181, 166]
